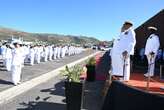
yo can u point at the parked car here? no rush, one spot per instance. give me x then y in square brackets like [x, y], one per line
[102, 48]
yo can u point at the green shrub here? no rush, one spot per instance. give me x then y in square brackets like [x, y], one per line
[72, 74]
[91, 61]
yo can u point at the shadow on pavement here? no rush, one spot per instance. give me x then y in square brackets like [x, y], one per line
[5, 82]
[41, 105]
[58, 89]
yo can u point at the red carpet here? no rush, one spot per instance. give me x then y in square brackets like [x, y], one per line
[139, 81]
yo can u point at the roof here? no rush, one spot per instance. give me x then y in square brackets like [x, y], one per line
[142, 32]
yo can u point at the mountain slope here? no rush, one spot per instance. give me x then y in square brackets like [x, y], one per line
[6, 33]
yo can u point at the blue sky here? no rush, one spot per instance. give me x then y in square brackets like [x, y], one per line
[94, 18]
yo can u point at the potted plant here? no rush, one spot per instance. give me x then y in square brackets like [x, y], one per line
[91, 73]
[73, 87]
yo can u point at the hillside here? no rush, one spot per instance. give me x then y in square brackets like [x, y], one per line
[6, 33]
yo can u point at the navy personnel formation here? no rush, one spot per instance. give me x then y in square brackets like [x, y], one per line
[16, 54]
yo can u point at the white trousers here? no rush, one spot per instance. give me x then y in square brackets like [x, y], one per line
[45, 57]
[119, 68]
[8, 63]
[151, 64]
[16, 73]
[38, 58]
[55, 55]
[58, 54]
[63, 54]
[32, 60]
[50, 56]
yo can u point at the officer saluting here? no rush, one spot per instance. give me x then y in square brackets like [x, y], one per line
[122, 50]
[16, 63]
[151, 49]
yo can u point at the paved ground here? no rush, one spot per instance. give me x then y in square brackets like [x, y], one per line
[46, 96]
[29, 72]
[50, 96]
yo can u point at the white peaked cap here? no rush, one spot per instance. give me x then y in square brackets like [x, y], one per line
[152, 28]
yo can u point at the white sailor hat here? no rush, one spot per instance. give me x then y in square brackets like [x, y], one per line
[152, 28]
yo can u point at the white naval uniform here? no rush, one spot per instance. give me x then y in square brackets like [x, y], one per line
[8, 58]
[152, 45]
[16, 65]
[59, 52]
[32, 56]
[3, 49]
[126, 43]
[54, 53]
[45, 53]
[38, 54]
[63, 52]
[27, 51]
[50, 52]
[23, 55]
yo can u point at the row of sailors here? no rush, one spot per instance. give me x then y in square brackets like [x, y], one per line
[16, 56]
[33, 54]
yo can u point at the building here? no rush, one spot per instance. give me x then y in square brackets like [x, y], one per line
[142, 32]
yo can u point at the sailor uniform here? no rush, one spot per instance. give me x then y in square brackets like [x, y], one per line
[16, 65]
[54, 53]
[31, 56]
[50, 53]
[8, 58]
[152, 45]
[126, 42]
[45, 53]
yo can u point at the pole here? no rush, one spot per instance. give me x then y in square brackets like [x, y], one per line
[124, 58]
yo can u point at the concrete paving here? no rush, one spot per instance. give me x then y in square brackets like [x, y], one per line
[46, 96]
[50, 96]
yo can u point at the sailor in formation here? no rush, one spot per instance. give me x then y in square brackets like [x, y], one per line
[46, 53]
[50, 52]
[151, 50]
[8, 57]
[16, 54]
[3, 50]
[122, 49]
[54, 52]
[16, 65]
[59, 52]
[38, 53]
[31, 55]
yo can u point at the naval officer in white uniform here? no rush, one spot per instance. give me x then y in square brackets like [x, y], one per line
[16, 63]
[151, 49]
[123, 48]
[8, 57]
